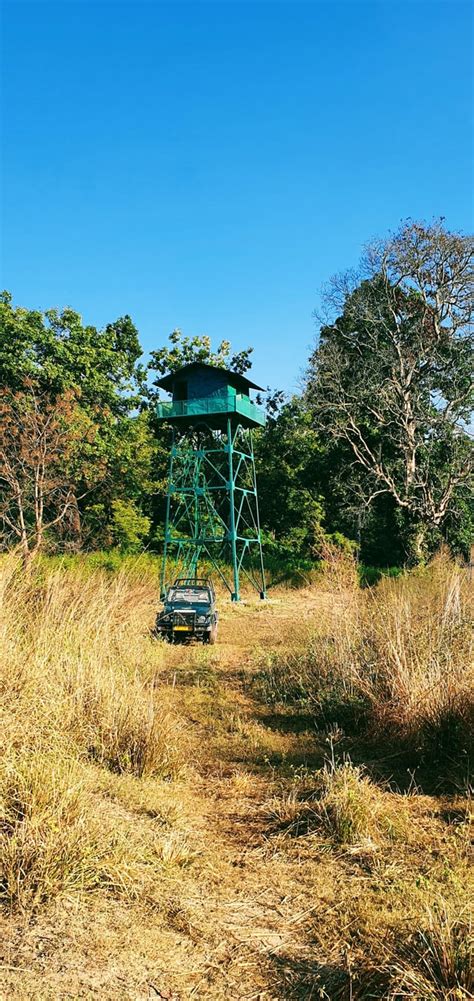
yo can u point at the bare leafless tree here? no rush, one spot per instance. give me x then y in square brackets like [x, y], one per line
[41, 441]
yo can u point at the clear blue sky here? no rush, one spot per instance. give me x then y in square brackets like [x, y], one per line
[210, 165]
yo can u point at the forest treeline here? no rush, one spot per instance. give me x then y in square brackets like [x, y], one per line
[374, 453]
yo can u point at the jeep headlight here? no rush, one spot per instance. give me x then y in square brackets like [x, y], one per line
[202, 618]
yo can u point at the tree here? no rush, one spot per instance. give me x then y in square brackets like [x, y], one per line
[135, 459]
[287, 455]
[55, 353]
[392, 375]
[42, 443]
[185, 350]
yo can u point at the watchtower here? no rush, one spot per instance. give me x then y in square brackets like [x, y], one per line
[212, 503]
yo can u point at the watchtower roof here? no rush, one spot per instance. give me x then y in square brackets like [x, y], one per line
[240, 382]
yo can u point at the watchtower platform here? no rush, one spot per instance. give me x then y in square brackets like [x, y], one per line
[211, 394]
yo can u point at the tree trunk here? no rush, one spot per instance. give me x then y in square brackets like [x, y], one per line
[419, 549]
[75, 522]
[27, 556]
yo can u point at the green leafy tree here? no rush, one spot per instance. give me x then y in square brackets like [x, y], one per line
[288, 459]
[129, 526]
[391, 378]
[56, 352]
[135, 458]
[185, 350]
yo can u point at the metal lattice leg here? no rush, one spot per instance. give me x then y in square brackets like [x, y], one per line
[212, 507]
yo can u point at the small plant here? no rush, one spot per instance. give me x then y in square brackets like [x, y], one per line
[342, 802]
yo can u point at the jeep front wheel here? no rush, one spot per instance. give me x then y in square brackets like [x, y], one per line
[211, 636]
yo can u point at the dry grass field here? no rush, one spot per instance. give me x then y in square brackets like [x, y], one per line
[282, 816]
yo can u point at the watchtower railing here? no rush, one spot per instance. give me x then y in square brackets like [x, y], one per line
[230, 404]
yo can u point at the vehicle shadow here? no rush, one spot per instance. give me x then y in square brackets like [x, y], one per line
[401, 765]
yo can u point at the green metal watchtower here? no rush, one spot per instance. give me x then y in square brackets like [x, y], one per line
[212, 502]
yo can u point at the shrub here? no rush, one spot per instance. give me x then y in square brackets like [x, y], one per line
[417, 658]
[120, 726]
[369, 576]
[78, 644]
[129, 526]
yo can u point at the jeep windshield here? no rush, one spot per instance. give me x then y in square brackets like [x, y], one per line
[188, 596]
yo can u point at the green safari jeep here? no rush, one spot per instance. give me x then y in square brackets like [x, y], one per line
[189, 611]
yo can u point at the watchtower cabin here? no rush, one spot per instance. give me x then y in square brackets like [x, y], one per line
[212, 394]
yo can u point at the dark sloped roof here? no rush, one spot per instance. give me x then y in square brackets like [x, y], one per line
[239, 381]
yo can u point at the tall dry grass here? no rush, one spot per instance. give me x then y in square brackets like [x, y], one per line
[91, 735]
[436, 962]
[76, 691]
[394, 663]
